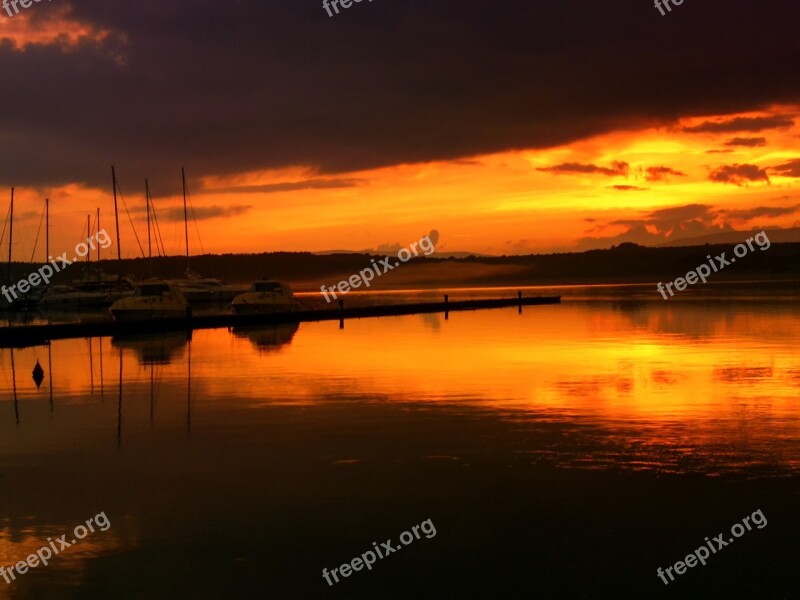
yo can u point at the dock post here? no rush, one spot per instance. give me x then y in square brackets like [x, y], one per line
[446, 312]
[519, 300]
[341, 317]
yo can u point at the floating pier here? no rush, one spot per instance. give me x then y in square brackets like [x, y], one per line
[34, 335]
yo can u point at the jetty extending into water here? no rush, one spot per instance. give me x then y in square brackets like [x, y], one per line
[33, 335]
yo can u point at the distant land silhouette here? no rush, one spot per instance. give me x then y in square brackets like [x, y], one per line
[791, 234]
[462, 254]
[626, 263]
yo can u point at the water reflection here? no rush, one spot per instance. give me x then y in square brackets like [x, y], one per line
[229, 428]
[18, 541]
[153, 349]
[267, 338]
[628, 387]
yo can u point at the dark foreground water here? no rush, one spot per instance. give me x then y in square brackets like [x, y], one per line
[565, 452]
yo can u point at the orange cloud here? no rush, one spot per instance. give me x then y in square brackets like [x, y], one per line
[50, 25]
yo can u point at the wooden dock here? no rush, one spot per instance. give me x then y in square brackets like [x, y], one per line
[33, 335]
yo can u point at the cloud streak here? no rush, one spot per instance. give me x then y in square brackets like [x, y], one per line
[751, 142]
[204, 213]
[750, 124]
[272, 188]
[661, 173]
[739, 175]
[628, 188]
[789, 169]
[571, 168]
[760, 211]
[660, 226]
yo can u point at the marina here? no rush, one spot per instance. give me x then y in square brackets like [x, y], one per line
[503, 286]
[30, 335]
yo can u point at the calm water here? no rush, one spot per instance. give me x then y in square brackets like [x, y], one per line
[565, 452]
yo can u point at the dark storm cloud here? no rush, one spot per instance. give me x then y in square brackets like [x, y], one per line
[789, 169]
[747, 142]
[616, 168]
[224, 88]
[738, 174]
[753, 124]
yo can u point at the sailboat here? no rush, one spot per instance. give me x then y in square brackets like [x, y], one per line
[14, 300]
[155, 298]
[196, 288]
[5, 303]
[90, 291]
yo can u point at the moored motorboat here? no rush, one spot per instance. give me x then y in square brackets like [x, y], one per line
[265, 296]
[152, 300]
[198, 289]
[85, 294]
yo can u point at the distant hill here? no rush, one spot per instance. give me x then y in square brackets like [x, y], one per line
[778, 236]
[625, 263]
[438, 254]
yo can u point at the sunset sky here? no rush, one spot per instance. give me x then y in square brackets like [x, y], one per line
[510, 128]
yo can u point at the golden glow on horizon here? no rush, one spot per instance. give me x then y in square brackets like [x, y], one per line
[498, 204]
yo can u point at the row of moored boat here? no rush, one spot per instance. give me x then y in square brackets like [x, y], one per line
[159, 298]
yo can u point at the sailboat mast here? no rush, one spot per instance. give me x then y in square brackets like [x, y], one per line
[47, 229]
[88, 246]
[185, 216]
[149, 246]
[10, 233]
[116, 212]
[98, 246]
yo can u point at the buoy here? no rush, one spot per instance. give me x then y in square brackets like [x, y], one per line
[38, 375]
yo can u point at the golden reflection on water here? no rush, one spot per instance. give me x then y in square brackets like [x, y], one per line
[18, 543]
[678, 387]
[683, 388]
